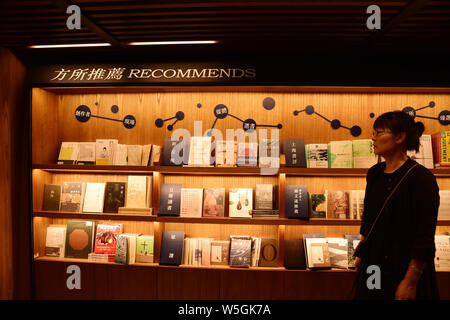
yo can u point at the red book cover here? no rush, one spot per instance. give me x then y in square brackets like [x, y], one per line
[106, 238]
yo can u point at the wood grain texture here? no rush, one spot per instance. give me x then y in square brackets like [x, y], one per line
[14, 221]
[351, 107]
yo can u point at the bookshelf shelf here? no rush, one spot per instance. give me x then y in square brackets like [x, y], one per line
[238, 171]
[213, 267]
[205, 220]
[94, 216]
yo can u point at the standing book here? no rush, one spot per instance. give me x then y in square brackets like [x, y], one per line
[86, 153]
[352, 240]
[71, 196]
[106, 238]
[68, 154]
[105, 151]
[316, 155]
[55, 241]
[340, 154]
[146, 151]
[440, 143]
[94, 197]
[444, 205]
[294, 254]
[134, 155]
[137, 191]
[269, 153]
[171, 248]
[240, 251]
[121, 155]
[338, 204]
[144, 249]
[170, 200]
[52, 197]
[200, 151]
[79, 239]
[225, 153]
[240, 203]
[191, 202]
[264, 196]
[425, 154]
[296, 202]
[356, 204]
[442, 256]
[213, 202]
[294, 151]
[247, 154]
[318, 205]
[175, 152]
[114, 196]
[338, 248]
[220, 252]
[268, 252]
[363, 154]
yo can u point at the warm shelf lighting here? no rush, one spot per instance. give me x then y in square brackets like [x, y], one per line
[71, 45]
[159, 43]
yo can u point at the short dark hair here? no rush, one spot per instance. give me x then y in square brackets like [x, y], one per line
[399, 121]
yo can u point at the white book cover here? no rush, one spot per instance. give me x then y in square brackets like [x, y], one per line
[425, 154]
[356, 203]
[340, 154]
[338, 248]
[316, 155]
[444, 205]
[240, 202]
[269, 153]
[68, 154]
[311, 256]
[442, 256]
[136, 192]
[155, 157]
[146, 151]
[121, 155]
[55, 241]
[94, 197]
[191, 203]
[226, 153]
[131, 246]
[247, 154]
[134, 155]
[86, 153]
[363, 154]
[200, 151]
[104, 151]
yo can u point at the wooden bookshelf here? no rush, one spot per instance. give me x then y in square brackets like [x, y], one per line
[53, 122]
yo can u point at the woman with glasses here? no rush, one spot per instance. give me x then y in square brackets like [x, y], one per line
[395, 259]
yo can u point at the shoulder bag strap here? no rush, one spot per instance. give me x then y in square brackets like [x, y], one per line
[387, 199]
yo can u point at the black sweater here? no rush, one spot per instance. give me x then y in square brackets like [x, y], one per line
[405, 229]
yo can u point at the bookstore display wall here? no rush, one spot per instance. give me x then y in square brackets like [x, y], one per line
[53, 122]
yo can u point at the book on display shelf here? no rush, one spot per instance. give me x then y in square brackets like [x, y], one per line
[80, 236]
[68, 153]
[55, 241]
[340, 154]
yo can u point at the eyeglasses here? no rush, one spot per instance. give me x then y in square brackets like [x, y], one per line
[377, 133]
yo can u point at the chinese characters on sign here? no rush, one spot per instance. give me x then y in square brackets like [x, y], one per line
[87, 74]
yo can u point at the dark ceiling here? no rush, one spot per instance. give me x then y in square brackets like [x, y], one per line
[242, 27]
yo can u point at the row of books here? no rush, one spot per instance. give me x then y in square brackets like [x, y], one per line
[97, 197]
[98, 242]
[210, 202]
[109, 152]
[107, 243]
[135, 196]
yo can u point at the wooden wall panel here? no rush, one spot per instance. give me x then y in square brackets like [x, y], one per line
[176, 283]
[51, 281]
[45, 127]
[14, 221]
[350, 109]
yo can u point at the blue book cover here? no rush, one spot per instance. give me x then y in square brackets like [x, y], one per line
[296, 202]
[171, 248]
[170, 200]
